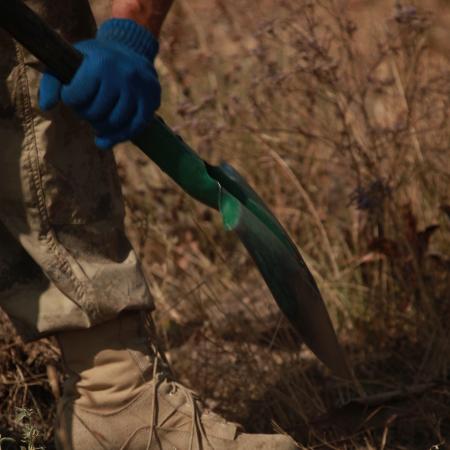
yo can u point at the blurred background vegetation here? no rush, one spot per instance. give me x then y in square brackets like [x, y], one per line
[337, 112]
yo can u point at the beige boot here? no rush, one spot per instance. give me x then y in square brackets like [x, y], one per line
[118, 396]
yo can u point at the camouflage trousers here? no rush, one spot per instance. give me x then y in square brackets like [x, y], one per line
[65, 262]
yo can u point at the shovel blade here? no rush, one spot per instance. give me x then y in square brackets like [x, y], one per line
[282, 267]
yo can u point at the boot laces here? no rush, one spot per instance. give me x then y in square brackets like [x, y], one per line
[162, 372]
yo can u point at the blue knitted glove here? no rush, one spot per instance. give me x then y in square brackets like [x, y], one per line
[116, 88]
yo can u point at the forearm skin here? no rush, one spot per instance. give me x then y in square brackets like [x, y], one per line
[149, 13]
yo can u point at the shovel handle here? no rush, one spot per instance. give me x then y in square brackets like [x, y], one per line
[33, 33]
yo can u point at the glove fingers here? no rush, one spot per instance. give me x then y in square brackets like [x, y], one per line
[121, 115]
[109, 141]
[145, 112]
[84, 86]
[49, 91]
[133, 120]
[99, 109]
[142, 118]
[104, 143]
[135, 126]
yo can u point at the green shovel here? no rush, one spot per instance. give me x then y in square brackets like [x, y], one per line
[220, 187]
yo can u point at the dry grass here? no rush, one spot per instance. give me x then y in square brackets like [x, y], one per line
[341, 123]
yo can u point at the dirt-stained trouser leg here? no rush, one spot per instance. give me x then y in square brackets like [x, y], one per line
[60, 201]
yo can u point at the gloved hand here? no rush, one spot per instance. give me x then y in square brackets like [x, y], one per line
[116, 88]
